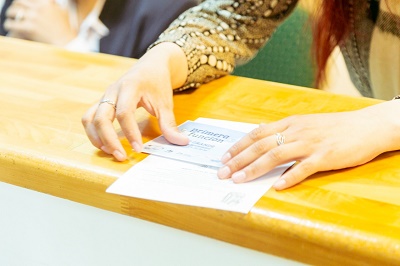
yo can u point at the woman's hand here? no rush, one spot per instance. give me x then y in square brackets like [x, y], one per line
[318, 142]
[149, 84]
[39, 20]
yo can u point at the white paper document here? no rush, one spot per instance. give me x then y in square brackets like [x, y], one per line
[179, 181]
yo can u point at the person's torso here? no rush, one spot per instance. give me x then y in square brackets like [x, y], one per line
[372, 49]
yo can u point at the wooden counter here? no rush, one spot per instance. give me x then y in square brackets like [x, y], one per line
[350, 216]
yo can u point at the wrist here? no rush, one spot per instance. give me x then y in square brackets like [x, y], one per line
[387, 122]
[174, 58]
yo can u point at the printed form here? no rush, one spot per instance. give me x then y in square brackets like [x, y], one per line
[188, 174]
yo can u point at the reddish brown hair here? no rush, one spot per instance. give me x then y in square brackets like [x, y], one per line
[331, 26]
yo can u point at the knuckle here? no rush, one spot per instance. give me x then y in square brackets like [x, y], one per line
[260, 147]
[254, 169]
[234, 149]
[307, 167]
[85, 120]
[256, 134]
[98, 122]
[235, 164]
[298, 174]
[275, 155]
[125, 84]
[121, 114]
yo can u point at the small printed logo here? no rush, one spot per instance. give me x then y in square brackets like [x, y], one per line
[233, 198]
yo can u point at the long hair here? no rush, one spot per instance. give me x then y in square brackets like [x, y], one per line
[330, 27]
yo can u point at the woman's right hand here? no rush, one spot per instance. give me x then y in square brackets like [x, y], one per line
[148, 84]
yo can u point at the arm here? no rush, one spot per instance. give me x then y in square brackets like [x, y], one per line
[218, 35]
[149, 84]
[179, 54]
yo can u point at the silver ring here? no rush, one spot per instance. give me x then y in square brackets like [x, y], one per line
[19, 16]
[113, 104]
[280, 139]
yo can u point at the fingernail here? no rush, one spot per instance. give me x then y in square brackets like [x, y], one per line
[186, 138]
[226, 157]
[224, 172]
[280, 184]
[239, 177]
[118, 155]
[136, 146]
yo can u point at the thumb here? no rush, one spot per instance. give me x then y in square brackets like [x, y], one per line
[170, 130]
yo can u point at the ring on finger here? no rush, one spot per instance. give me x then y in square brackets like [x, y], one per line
[20, 15]
[280, 139]
[112, 103]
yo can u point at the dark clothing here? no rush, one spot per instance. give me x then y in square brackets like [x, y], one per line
[133, 24]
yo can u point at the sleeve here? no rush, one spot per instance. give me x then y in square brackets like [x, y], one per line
[217, 35]
[4, 5]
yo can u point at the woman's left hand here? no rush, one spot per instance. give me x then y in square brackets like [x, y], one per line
[318, 142]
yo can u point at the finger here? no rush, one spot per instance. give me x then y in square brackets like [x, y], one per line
[296, 174]
[275, 157]
[17, 16]
[250, 154]
[265, 146]
[9, 25]
[20, 26]
[12, 11]
[130, 128]
[126, 115]
[163, 110]
[16, 6]
[88, 124]
[103, 123]
[169, 129]
[255, 135]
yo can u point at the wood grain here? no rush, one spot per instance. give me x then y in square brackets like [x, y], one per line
[350, 216]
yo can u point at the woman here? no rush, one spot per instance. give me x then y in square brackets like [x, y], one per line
[120, 27]
[209, 40]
